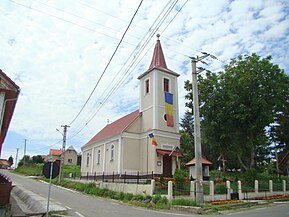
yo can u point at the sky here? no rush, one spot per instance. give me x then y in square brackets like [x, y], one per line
[73, 68]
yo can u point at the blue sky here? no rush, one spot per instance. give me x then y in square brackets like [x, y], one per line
[56, 52]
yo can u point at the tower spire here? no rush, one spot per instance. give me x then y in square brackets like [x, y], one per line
[158, 59]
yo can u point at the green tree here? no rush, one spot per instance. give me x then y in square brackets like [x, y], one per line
[10, 160]
[37, 159]
[238, 104]
[187, 138]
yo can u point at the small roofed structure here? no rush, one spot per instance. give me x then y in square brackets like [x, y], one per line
[206, 168]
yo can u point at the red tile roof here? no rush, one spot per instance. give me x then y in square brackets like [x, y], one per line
[115, 127]
[204, 162]
[55, 151]
[175, 153]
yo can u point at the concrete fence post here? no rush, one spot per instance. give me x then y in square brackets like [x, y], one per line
[284, 186]
[153, 186]
[192, 190]
[212, 190]
[170, 190]
[228, 187]
[256, 186]
[270, 186]
[239, 189]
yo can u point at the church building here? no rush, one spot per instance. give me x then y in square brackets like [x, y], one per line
[146, 140]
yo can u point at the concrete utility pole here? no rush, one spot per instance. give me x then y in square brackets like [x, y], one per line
[197, 130]
[60, 177]
[24, 151]
[16, 157]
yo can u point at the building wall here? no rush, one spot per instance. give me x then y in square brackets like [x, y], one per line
[86, 160]
[131, 158]
[173, 88]
[70, 157]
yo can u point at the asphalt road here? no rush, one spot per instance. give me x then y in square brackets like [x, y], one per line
[82, 205]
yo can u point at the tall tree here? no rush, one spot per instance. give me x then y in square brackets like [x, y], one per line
[187, 138]
[238, 104]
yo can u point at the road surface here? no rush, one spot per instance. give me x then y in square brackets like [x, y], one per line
[81, 205]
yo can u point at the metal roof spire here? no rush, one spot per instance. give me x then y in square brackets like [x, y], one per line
[158, 59]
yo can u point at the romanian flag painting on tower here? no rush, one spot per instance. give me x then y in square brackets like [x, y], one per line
[154, 142]
[169, 109]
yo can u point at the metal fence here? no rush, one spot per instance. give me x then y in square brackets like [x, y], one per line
[126, 177]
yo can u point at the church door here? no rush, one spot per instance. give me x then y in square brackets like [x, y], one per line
[167, 166]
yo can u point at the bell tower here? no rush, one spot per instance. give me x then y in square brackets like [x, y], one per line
[159, 95]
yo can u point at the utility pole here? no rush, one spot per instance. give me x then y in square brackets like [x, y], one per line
[197, 130]
[16, 158]
[24, 151]
[62, 152]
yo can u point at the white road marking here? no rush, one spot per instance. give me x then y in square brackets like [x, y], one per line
[67, 207]
[234, 213]
[77, 213]
[167, 213]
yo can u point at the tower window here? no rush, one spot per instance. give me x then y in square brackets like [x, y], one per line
[166, 85]
[147, 86]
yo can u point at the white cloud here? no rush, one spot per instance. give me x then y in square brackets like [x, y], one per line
[56, 52]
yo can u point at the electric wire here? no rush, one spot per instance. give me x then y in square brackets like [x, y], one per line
[126, 74]
[107, 64]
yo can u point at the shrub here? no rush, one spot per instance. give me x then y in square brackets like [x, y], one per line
[179, 178]
[250, 176]
[128, 197]
[138, 197]
[156, 198]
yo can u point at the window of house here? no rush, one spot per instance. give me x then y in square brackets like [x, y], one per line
[147, 86]
[98, 156]
[87, 159]
[112, 152]
[69, 160]
[166, 85]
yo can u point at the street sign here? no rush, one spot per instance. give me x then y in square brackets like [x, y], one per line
[47, 168]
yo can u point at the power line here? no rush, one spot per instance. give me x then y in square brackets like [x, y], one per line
[140, 50]
[68, 21]
[107, 64]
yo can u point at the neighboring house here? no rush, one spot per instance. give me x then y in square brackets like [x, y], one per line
[205, 166]
[4, 164]
[70, 155]
[9, 93]
[125, 146]
[54, 154]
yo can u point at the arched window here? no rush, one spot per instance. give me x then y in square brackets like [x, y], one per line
[147, 86]
[98, 156]
[87, 159]
[112, 152]
[166, 85]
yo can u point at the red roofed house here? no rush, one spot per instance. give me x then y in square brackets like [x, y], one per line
[9, 93]
[70, 155]
[55, 154]
[125, 145]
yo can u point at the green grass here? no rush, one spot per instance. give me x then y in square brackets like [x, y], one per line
[30, 169]
[74, 170]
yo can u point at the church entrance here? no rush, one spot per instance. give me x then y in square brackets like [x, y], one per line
[167, 166]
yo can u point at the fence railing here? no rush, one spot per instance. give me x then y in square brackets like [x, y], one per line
[126, 177]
